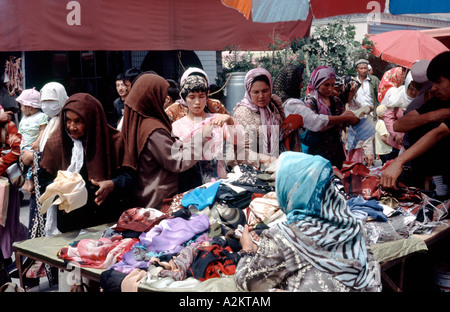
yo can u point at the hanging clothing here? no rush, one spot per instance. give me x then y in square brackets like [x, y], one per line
[12, 229]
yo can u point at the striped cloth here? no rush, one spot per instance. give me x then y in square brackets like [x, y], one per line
[320, 224]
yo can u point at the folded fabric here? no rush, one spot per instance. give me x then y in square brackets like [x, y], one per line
[370, 207]
[70, 189]
[97, 253]
[201, 197]
[170, 234]
[139, 219]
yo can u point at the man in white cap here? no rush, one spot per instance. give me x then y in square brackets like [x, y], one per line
[367, 93]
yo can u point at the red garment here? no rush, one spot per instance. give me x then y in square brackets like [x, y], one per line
[10, 138]
[213, 261]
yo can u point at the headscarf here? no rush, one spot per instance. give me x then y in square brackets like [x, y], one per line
[318, 77]
[287, 83]
[392, 78]
[191, 83]
[104, 148]
[189, 72]
[53, 96]
[144, 113]
[398, 96]
[319, 223]
[267, 115]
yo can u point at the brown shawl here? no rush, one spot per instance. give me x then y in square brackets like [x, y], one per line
[104, 146]
[144, 113]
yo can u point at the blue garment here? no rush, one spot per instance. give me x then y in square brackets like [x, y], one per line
[201, 197]
[370, 207]
[360, 132]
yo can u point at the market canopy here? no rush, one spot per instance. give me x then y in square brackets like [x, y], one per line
[207, 25]
[418, 6]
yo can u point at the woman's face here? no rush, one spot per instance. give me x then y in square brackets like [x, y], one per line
[75, 125]
[326, 89]
[196, 102]
[260, 93]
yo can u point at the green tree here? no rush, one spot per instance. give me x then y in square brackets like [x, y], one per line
[333, 45]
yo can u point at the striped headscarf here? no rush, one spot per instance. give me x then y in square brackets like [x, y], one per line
[319, 222]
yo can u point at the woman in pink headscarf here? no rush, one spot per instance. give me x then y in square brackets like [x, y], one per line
[327, 142]
[261, 115]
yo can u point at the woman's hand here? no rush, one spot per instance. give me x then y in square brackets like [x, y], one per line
[350, 118]
[246, 240]
[104, 188]
[27, 158]
[221, 120]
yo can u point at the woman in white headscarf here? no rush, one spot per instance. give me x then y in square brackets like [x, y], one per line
[53, 96]
[396, 101]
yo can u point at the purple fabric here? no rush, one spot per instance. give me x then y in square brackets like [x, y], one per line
[170, 234]
[13, 231]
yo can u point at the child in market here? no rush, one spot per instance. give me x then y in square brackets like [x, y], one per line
[31, 127]
[382, 148]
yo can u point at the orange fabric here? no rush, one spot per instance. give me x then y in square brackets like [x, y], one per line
[243, 6]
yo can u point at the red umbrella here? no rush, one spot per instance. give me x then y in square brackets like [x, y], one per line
[404, 47]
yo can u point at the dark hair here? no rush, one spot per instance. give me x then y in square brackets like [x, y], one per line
[120, 77]
[439, 66]
[262, 78]
[174, 89]
[214, 92]
[131, 74]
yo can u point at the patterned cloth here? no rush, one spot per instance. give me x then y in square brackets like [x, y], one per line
[392, 78]
[319, 223]
[360, 132]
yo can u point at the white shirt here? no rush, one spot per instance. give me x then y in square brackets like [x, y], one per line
[363, 95]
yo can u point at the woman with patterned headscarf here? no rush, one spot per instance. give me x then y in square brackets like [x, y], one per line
[178, 109]
[261, 115]
[321, 246]
[194, 92]
[320, 100]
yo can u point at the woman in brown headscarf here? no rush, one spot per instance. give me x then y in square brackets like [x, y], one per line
[153, 152]
[86, 144]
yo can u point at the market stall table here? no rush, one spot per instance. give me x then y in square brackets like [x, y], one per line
[388, 254]
[395, 253]
[45, 249]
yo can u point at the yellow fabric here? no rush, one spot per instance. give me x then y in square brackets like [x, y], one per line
[71, 189]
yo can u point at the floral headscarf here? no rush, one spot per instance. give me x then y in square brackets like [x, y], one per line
[391, 78]
[318, 77]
